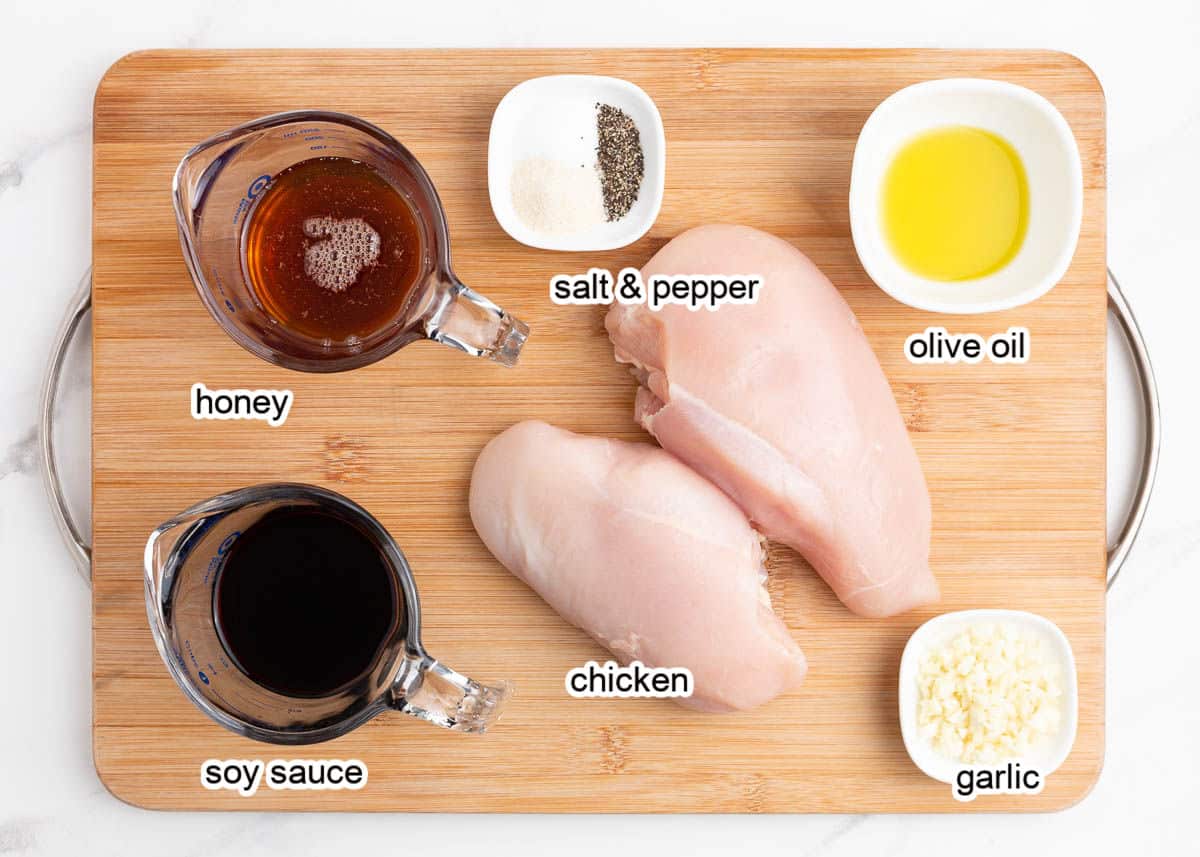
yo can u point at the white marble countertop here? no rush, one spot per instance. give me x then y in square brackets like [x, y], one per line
[53, 53]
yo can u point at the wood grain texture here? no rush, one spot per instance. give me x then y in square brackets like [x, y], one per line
[1014, 455]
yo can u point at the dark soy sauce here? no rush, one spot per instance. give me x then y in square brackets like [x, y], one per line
[304, 602]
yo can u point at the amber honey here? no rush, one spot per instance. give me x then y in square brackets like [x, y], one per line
[333, 251]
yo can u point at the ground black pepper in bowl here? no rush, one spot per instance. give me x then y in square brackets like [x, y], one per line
[622, 164]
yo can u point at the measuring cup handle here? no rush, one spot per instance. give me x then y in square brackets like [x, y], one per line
[432, 691]
[468, 321]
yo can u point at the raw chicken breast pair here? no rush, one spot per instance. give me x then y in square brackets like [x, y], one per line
[628, 543]
[783, 410]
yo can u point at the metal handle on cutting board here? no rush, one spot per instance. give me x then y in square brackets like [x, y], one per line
[80, 305]
[1117, 305]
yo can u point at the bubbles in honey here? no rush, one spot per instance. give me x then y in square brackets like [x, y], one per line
[349, 247]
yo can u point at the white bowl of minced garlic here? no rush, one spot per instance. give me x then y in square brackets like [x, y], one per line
[988, 687]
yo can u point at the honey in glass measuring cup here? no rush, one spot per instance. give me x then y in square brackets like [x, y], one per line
[332, 251]
[318, 243]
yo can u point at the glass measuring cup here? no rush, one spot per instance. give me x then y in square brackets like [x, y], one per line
[183, 560]
[215, 189]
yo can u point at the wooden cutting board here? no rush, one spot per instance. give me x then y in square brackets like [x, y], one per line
[1014, 454]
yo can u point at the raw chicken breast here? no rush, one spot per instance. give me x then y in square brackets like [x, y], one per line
[783, 405]
[642, 553]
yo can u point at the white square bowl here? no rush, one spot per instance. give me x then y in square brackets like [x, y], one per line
[538, 118]
[1048, 151]
[1049, 754]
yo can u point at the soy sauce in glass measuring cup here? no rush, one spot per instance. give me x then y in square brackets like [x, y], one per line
[288, 614]
[364, 267]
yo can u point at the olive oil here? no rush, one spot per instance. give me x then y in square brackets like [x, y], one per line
[955, 203]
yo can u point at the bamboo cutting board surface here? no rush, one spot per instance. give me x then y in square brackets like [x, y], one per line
[1014, 454]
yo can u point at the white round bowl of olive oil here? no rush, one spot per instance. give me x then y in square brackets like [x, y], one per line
[966, 195]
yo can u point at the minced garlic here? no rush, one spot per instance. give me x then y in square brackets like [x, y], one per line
[988, 695]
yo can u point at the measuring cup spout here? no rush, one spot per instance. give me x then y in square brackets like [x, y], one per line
[168, 550]
[430, 690]
[159, 565]
[159, 548]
